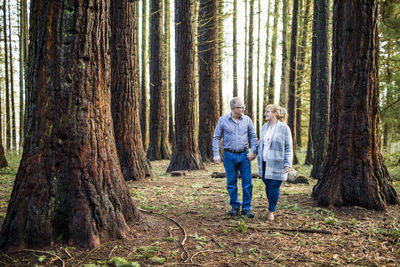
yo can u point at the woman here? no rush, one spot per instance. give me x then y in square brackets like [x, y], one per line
[275, 154]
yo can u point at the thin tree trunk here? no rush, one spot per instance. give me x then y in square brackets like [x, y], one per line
[69, 185]
[208, 52]
[250, 94]
[220, 53]
[271, 86]
[234, 45]
[167, 43]
[292, 107]
[125, 91]
[186, 155]
[159, 147]
[245, 91]
[13, 122]
[144, 103]
[284, 89]
[266, 63]
[3, 160]
[22, 68]
[354, 172]
[8, 120]
[258, 120]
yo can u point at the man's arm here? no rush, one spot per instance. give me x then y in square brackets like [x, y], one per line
[217, 140]
[252, 137]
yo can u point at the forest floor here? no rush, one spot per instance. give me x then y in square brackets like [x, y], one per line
[184, 222]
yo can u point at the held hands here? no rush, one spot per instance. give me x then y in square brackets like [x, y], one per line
[251, 156]
[287, 169]
[217, 160]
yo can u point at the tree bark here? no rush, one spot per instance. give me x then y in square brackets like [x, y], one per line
[186, 155]
[125, 91]
[3, 160]
[144, 103]
[258, 105]
[8, 120]
[353, 171]
[208, 48]
[271, 85]
[266, 63]
[159, 147]
[245, 92]
[12, 98]
[22, 66]
[319, 91]
[69, 185]
[250, 94]
[234, 45]
[220, 53]
[167, 44]
[292, 105]
[284, 89]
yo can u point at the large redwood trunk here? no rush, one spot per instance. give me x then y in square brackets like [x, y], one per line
[354, 172]
[186, 155]
[69, 185]
[208, 76]
[125, 89]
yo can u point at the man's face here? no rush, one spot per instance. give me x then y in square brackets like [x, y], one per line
[239, 109]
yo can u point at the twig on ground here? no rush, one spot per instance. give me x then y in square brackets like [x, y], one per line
[109, 255]
[45, 252]
[67, 252]
[180, 226]
[303, 230]
[275, 258]
[204, 251]
[96, 248]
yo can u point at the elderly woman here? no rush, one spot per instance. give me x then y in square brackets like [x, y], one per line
[275, 154]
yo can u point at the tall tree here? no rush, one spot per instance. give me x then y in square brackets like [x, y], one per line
[266, 62]
[69, 185]
[234, 45]
[8, 119]
[258, 120]
[12, 98]
[250, 95]
[208, 48]
[220, 53]
[301, 65]
[292, 107]
[271, 85]
[167, 44]
[23, 40]
[284, 89]
[319, 91]
[354, 172]
[245, 93]
[143, 93]
[125, 91]
[3, 160]
[159, 147]
[186, 155]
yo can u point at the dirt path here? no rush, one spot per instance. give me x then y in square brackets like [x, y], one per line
[185, 223]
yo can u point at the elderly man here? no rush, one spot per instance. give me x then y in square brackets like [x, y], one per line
[236, 129]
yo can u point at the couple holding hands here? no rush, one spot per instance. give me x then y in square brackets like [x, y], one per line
[274, 153]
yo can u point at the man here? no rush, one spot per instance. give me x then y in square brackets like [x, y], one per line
[236, 129]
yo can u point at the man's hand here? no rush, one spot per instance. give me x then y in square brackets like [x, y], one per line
[217, 160]
[287, 169]
[251, 156]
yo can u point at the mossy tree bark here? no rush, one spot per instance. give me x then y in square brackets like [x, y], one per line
[354, 172]
[186, 155]
[69, 185]
[125, 91]
[209, 101]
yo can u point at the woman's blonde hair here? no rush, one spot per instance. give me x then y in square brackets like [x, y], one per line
[280, 111]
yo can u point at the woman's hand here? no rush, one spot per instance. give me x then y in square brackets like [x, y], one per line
[287, 169]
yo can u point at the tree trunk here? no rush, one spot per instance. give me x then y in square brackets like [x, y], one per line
[22, 67]
[300, 68]
[319, 91]
[208, 46]
[266, 101]
[250, 95]
[159, 147]
[144, 103]
[186, 155]
[3, 160]
[167, 44]
[13, 122]
[353, 171]
[234, 45]
[245, 92]
[271, 86]
[69, 186]
[284, 90]
[8, 120]
[220, 53]
[292, 105]
[125, 89]
[258, 120]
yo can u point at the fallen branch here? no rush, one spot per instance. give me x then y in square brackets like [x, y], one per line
[204, 251]
[180, 226]
[299, 229]
[45, 252]
[109, 255]
[67, 252]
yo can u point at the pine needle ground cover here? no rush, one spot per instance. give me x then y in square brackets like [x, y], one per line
[184, 221]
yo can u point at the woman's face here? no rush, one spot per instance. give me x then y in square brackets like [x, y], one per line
[270, 115]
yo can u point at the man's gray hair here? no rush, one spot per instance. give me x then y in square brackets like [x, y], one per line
[234, 101]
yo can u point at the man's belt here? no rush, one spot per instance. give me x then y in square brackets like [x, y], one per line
[235, 151]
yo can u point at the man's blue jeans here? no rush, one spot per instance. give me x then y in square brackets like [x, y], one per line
[234, 163]
[272, 188]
